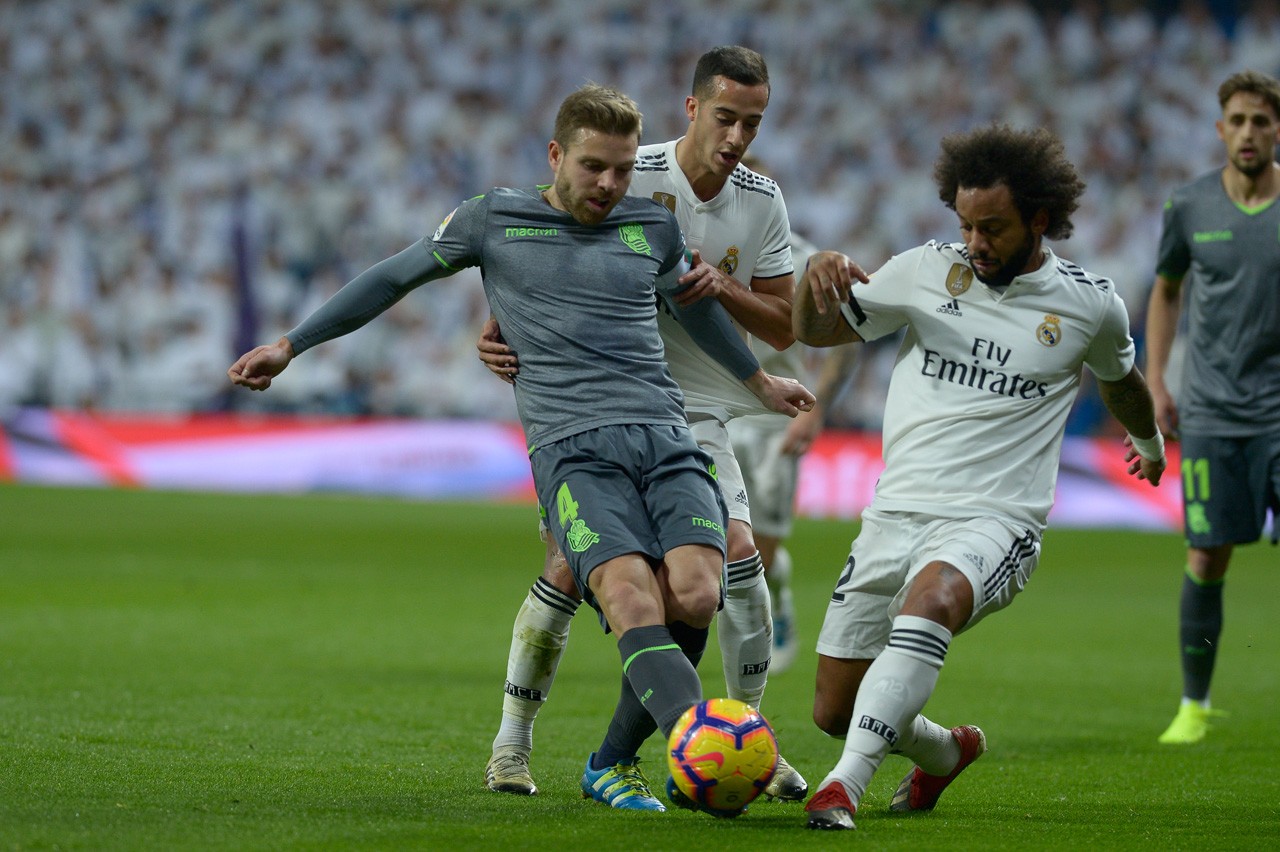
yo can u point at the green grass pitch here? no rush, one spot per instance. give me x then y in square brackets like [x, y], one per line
[207, 672]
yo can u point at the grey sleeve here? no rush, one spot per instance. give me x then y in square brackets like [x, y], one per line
[709, 325]
[367, 295]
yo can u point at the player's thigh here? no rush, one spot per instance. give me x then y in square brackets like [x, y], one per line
[681, 498]
[858, 616]
[1227, 485]
[996, 555]
[713, 438]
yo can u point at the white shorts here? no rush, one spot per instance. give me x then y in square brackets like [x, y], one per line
[713, 438]
[770, 474]
[997, 555]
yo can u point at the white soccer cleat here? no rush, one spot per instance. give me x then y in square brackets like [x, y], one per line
[508, 772]
[787, 784]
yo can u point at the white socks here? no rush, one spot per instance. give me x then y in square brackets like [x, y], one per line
[745, 631]
[893, 692]
[779, 581]
[538, 639]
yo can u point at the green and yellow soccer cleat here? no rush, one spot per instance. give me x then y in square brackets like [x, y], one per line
[620, 786]
[1190, 725]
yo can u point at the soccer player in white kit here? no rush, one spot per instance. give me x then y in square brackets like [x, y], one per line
[997, 328]
[736, 223]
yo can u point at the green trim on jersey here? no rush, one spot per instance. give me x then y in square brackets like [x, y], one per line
[1253, 211]
[437, 256]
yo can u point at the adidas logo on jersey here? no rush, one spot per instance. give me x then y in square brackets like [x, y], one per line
[741, 498]
[952, 307]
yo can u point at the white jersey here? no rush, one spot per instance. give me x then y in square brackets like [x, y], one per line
[745, 231]
[980, 393]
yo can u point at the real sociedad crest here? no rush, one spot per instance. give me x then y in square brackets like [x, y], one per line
[1050, 331]
[729, 263]
[959, 279]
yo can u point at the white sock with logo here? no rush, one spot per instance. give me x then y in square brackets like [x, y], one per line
[929, 745]
[538, 640]
[745, 631]
[893, 692]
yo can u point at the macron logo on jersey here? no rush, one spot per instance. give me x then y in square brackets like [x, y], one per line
[532, 232]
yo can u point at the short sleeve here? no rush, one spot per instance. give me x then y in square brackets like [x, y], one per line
[775, 254]
[458, 242]
[1174, 256]
[1110, 354]
[673, 246]
[879, 307]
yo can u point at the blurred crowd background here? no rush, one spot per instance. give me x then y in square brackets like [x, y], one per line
[184, 179]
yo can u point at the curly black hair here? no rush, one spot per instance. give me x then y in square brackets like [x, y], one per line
[1031, 163]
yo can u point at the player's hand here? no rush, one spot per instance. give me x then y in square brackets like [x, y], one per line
[780, 394]
[707, 282]
[829, 275]
[258, 367]
[1144, 468]
[496, 354]
[802, 432]
[1166, 409]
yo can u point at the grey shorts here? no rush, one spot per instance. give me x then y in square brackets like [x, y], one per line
[627, 489]
[1227, 486]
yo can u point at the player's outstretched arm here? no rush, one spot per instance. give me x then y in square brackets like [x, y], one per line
[815, 316]
[1129, 401]
[256, 368]
[780, 394]
[360, 300]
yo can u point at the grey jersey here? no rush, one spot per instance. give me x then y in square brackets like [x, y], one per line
[1229, 259]
[576, 303]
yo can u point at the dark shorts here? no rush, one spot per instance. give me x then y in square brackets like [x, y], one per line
[1227, 486]
[627, 489]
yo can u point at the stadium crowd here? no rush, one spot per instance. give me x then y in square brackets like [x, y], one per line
[184, 179]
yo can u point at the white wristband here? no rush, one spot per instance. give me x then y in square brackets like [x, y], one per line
[1151, 449]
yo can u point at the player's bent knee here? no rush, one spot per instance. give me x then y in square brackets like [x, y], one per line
[739, 543]
[1209, 564]
[556, 571]
[695, 606]
[832, 721]
[941, 594]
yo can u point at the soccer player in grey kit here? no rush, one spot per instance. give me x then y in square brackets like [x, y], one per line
[1220, 242]
[571, 272]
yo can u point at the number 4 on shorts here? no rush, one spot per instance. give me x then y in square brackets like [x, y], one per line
[576, 531]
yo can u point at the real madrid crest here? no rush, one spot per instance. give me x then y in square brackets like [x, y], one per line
[959, 279]
[1050, 331]
[729, 263]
